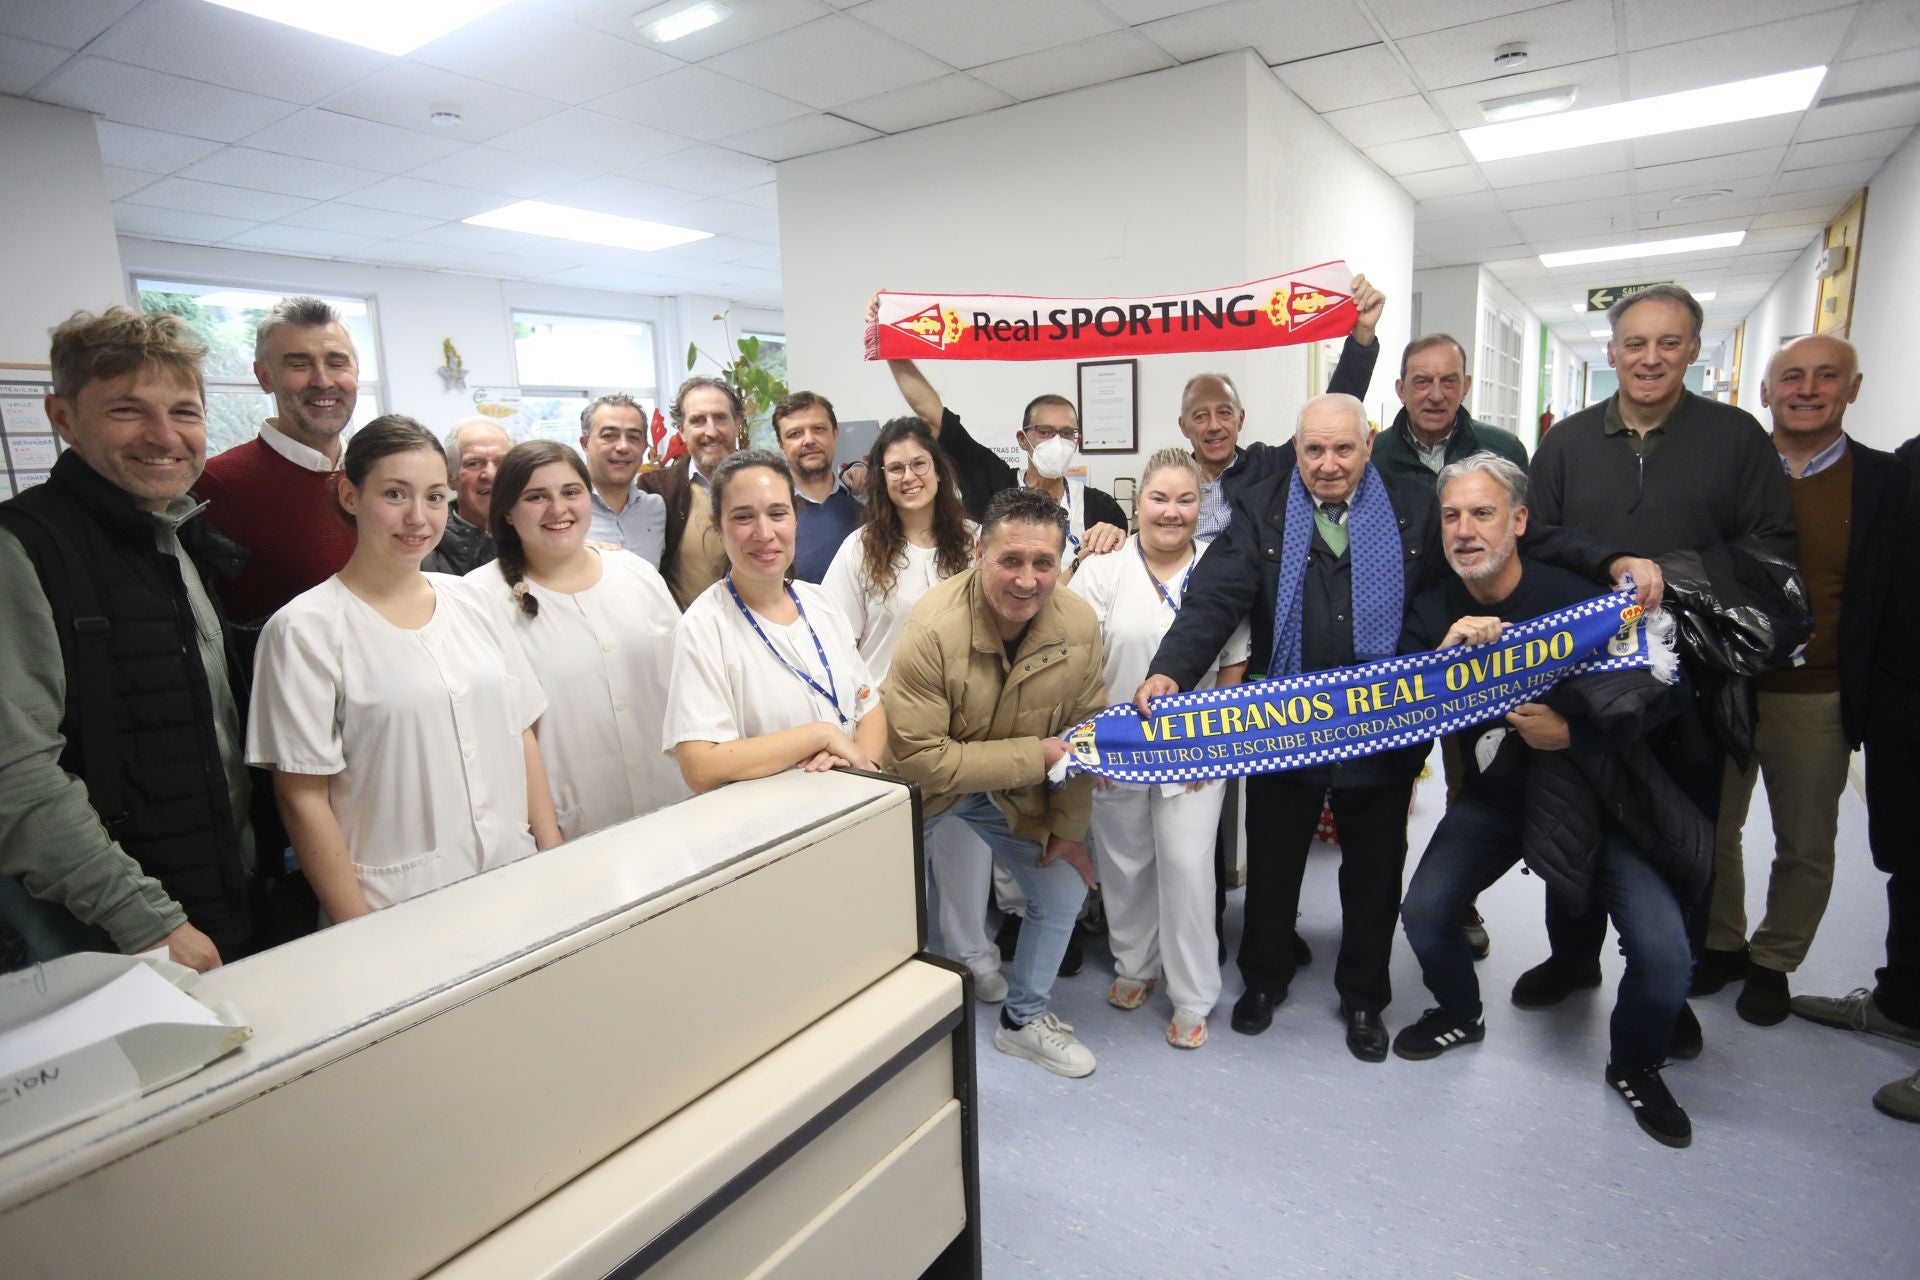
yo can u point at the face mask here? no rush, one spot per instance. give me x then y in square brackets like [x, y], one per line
[1051, 458]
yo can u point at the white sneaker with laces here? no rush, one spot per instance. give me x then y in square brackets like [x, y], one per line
[1046, 1042]
[990, 987]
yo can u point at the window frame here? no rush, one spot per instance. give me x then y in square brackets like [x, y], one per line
[572, 390]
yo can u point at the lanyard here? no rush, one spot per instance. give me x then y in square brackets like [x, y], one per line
[832, 692]
[1158, 585]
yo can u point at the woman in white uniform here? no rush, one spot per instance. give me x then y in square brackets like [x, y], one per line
[1155, 843]
[396, 715]
[916, 534]
[597, 626]
[766, 674]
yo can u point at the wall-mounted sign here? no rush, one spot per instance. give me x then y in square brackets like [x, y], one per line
[1606, 295]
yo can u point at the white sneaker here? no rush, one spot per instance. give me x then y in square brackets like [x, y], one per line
[990, 987]
[1047, 1042]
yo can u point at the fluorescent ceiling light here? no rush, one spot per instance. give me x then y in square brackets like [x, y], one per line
[538, 218]
[1642, 249]
[372, 24]
[1521, 106]
[1772, 95]
[1705, 297]
[1603, 333]
[684, 22]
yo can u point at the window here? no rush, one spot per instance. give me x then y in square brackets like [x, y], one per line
[225, 317]
[1496, 383]
[565, 363]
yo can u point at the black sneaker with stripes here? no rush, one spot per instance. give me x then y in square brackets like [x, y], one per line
[1658, 1114]
[1436, 1032]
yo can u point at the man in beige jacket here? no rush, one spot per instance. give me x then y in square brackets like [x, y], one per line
[994, 665]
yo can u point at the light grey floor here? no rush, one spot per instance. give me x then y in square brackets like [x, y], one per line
[1281, 1155]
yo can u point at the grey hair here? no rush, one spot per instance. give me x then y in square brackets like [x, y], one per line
[458, 429]
[1510, 476]
[1021, 505]
[746, 459]
[619, 400]
[1175, 459]
[302, 311]
[1429, 341]
[1339, 399]
[1220, 378]
[1658, 292]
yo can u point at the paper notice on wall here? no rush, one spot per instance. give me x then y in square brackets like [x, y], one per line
[504, 405]
[23, 410]
[31, 453]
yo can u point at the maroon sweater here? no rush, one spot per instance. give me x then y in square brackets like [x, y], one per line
[287, 519]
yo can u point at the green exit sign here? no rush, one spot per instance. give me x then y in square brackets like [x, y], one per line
[1605, 296]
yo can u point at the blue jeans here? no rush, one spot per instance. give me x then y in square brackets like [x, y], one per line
[1474, 845]
[1054, 895]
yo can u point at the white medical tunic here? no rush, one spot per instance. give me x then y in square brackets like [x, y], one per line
[602, 656]
[878, 619]
[1134, 619]
[728, 684]
[419, 732]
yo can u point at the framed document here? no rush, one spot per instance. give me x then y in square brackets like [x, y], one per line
[1109, 422]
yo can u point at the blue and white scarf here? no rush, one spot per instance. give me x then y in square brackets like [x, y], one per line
[1379, 578]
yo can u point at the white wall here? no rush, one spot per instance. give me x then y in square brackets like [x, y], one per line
[57, 224]
[1145, 186]
[1785, 312]
[1889, 280]
[1450, 303]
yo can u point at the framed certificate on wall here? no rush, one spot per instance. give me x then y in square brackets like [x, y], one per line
[1108, 419]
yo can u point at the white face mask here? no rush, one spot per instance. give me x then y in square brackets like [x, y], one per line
[1051, 458]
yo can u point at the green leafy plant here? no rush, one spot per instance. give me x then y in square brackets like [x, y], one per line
[760, 388]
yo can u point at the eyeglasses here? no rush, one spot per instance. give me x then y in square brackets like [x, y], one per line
[1047, 433]
[899, 470]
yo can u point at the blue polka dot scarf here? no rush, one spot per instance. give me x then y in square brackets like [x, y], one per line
[1379, 583]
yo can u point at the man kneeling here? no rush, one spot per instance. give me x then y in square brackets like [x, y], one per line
[1499, 818]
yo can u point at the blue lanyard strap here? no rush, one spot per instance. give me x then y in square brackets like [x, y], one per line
[832, 692]
[1160, 586]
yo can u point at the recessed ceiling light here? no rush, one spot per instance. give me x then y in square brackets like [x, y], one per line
[538, 218]
[1772, 95]
[372, 24]
[1603, 333]
[681, 22]
[1705, 297]
[1523, 105]
[1642, 249]
[1702, 197]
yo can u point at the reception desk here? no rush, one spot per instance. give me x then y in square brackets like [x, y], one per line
[706, 1043]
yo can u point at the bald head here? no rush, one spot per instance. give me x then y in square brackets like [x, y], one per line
[1332, 446]
[474, 449]
[1809, 384]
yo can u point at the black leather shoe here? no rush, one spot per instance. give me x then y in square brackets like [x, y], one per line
[1687, 1037]
[1366, 1034]
[1550, 982]
[1253, 1012]
[1302, 953]
[1717, 968]
[1765, 999]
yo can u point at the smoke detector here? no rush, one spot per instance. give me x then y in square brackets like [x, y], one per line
[444, 117]
[1509, 56]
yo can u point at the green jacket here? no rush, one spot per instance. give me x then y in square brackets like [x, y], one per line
[1394, 454]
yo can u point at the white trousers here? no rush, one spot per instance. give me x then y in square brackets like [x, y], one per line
[1155, 853]
[962, 868]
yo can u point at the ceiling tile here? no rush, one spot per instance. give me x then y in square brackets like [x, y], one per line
[864, 62]
[1810, 218]
[25, 63]
[1433, 183]
[761, 197]
[722, 217]
[1095, 61]
[68, 24]
[149, 150]
[405, 92]
[1135, 12]
[1877, 145]
[1556, 35]
[1418, 154]
[472, 240]
[509, 266]
[287, 175]
[1281, 33]
[1879, 71]
[124, 182]
[1887, 24]
[749, 21]
[1678, 220]
[1478, 204]
[720, 249]
[695, 103]
[172, 224]
[574, 63]
[1592, 186]
[302, 241]
[408, 253]
[590, 140]
[1712, 171]
[1856, 174]
[502, 172]
[626, 197]
[153, 99]
[1894, 111]
[982, 31]
[222, 46]
[1350, 78]
[375, 224]
[1835, 198]
[1715, 140]
[428, 199]
[190, 196]
[712, 171]
[1413, 17]
[947, 98]
[1657, 22]
[1558, 166]
[326, 135]
[800, 137]
[1394, 120]
[1596, 83]
[1736, 55]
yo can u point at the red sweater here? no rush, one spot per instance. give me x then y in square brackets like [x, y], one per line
[287, 519]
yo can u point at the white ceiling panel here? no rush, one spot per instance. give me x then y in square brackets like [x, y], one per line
[1556, 35]
[25, 63]
[628, 198]
[502, 172]
[1433, 183]
[1887, 24]
[712, 171]
[864, 62]
[947, 98]
[172, 224]
[1416, 155]
[1601, 217]
[1877, 145]
[575, 63]
[1713, 171]
[1595, 83]
[982, 31]
[409, 253]
[1894, 111]
[326, 135]
[1136, 12]
[722, 217]
[800, 137]
[766, 262]
[149, 150]
[1878, 71]
[719, 249]
[1280, 33]
[1394, 120]
[70, 24]
[404, 93]
[303, 241]
[1835, 198]
[1799, 219]
[767, 233]
[124, 182]
[511, 266]
[590, 140]
[1717, 140]
[1350, 78]
[427, 199]
[155, 100]
[1095, 61]
[286, 175]
[473, 241]
[1658, 22]
[697, 104]
[1757, 51]
[1558, 166]
[374, 224]
[217, 45]
[1856, 174]
[1472, 204]
[749, 21]
[1413, 17]
[766, 196]
[1593, 186]
[1679, 220]
[190, 196]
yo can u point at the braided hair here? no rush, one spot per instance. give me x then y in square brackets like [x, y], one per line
[509, 482]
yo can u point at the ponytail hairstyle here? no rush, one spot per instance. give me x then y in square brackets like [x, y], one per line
[883, 540]
[386, 435]
[509, 482]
